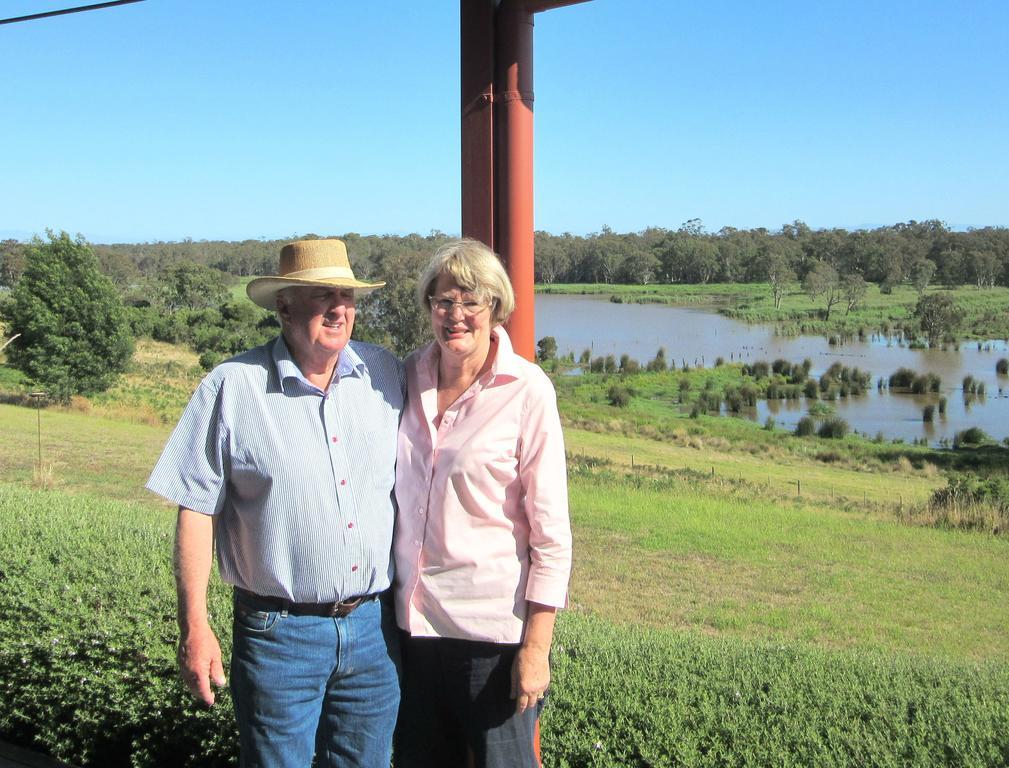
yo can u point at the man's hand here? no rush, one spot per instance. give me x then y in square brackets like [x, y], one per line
[200, 663]
[530, 676]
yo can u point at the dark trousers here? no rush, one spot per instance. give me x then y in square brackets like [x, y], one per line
[456, 700]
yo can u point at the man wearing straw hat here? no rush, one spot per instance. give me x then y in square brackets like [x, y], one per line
[286, 455]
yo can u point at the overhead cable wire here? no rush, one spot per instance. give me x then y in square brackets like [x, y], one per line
[78, 9]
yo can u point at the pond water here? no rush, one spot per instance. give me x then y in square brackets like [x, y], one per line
[698, 335]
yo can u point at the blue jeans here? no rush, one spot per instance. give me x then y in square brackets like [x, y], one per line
[457, 705]
[311, 684]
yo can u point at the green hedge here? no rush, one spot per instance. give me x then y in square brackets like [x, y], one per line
[628, 696]
[87, 672]
[87, 640]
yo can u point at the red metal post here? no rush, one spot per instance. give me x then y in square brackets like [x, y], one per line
[477, 60]
[514, 165]
[497, 142]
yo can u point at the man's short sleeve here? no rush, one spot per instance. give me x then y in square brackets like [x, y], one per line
[192, 470]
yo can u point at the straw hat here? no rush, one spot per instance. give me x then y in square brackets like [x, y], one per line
[309, 262]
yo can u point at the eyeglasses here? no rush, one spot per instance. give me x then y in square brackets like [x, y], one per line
[469, 307]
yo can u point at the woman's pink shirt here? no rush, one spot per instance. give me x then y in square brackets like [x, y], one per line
[482, 525]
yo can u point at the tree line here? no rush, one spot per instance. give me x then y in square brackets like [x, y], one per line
[910, 252]
[181, 291]
[907, 252]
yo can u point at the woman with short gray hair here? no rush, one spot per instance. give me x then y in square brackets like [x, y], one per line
[483, 542]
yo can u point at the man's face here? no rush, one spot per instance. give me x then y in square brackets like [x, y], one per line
[318, 321]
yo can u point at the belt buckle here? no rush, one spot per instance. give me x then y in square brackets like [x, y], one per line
[346, 607]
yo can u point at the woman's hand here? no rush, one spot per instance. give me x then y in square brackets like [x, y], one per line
[530, 676]
[531, 668]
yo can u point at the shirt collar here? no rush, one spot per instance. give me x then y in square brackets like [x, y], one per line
[506, 363]
[349, 363]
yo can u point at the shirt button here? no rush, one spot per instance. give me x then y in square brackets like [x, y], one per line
[350, 525]
[343, 482]
[334, 439]
[353, 568]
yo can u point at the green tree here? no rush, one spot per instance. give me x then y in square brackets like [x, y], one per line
[552, 259]
[938, 315]
[776, 269]
[922, 271]
[390, 315]
[75, 338]
[853, 287]
[193, 286]
[822, 280]
[12, 261]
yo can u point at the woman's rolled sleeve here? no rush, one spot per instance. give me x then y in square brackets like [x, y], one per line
[543, 473]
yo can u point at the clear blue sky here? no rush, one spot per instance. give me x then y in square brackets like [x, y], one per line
[197, 118]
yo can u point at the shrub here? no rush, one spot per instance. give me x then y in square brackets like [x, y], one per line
[733, 400]
[658, 363]
[598, 365]
[585, 357]
[942, 406]
[719, 362]
[636, 697]
[927, 382]
[902, 377]
[811, 390]
[105, 691]
[805, 427]
[748, 395]
[610, 364]
[833, 427]
[1002, 366]
[970, 437]
[209, 359]
[928, 413]
[546, 348]
[760, 370]
[969, 502]
[619, 396]
[711, 400]
[828, 457]
[629, 364]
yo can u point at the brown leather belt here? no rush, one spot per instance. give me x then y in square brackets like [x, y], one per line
[338, 609]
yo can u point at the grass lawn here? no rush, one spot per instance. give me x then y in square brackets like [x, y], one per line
[779, 472]
[723, 557]
[678, 554]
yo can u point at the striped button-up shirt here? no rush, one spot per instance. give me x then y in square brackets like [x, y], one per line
[299, 479]
[483, 502]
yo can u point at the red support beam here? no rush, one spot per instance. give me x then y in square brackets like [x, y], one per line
[497, 142]
[477, 58]
[514, 165]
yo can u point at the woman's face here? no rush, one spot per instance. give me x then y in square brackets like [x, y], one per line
[462, 331]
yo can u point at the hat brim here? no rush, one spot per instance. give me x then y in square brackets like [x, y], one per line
[263, 290]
